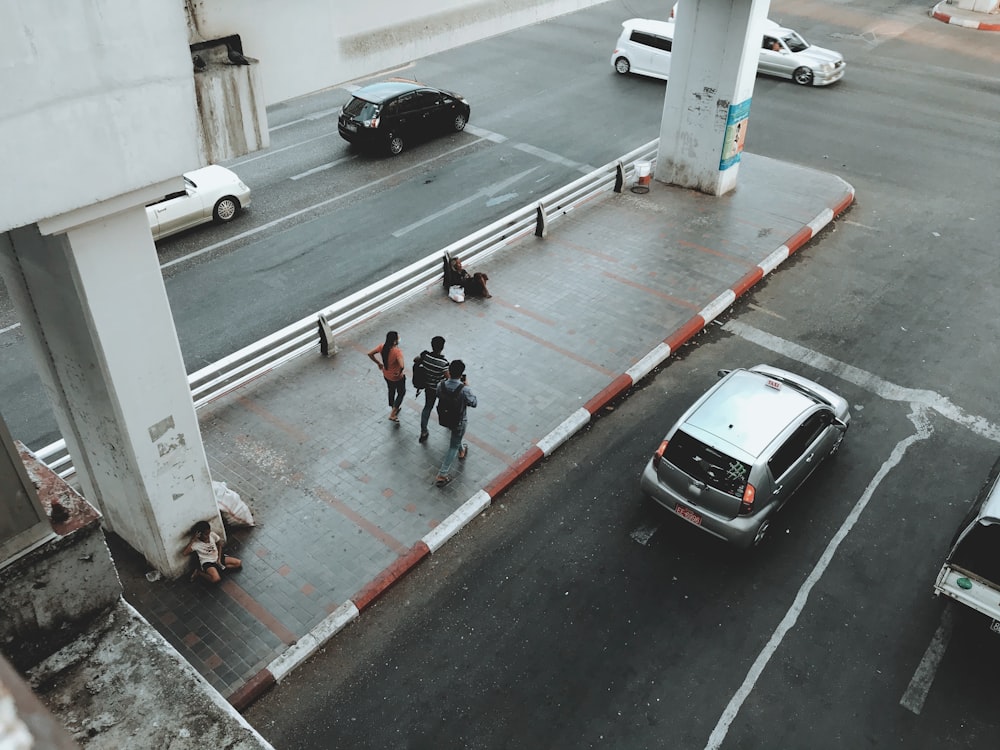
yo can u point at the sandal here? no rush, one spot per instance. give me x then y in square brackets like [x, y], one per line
[463, 452]
[442, 481]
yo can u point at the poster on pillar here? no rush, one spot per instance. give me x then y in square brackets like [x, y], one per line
[736, 134]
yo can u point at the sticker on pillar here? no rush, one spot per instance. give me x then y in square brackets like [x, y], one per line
[736, 134]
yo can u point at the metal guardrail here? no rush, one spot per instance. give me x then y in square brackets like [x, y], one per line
[259, 358]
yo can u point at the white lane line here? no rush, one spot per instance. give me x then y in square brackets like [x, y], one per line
[321, 168]
[313, 207]
[870, 382]
[918, 416]
[486, 135]
[920, 685]
[313, 116]
[10, 328]
[272, 152]
[485, 192]
[541, 153]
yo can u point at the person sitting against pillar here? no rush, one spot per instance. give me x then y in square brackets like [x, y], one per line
[212, 560]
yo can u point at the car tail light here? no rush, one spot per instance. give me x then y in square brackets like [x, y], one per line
[746, 505]
[659, 454]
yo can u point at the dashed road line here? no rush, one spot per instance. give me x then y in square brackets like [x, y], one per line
[920, 685]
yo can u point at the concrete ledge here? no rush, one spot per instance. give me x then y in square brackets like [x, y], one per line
[121, 664]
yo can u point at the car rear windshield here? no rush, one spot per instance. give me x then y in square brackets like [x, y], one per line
[361, 108]
[704, 463]
[979, 552]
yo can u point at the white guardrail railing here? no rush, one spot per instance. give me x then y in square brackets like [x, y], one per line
[259, 358]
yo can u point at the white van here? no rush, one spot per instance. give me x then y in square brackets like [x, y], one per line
[971, 573]
[644, 47]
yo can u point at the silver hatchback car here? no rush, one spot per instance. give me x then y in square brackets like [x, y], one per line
[740, 452]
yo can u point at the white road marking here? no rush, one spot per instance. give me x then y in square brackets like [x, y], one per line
[870, 382]
[10, 328]
[919, 418]
[644, 533]
[272, 152]
[916, 693]
[321, 168]
[541, 153]
[485, 192]
[858, 224]
[486, 135]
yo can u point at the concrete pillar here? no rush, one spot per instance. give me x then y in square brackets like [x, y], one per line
[91, 300]
[707, 105]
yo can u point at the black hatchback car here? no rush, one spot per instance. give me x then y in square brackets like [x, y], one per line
[393, 114]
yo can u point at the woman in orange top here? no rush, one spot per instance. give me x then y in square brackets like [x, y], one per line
[392, 367]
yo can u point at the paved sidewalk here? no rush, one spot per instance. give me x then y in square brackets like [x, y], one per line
[970, 19]
[345, 500]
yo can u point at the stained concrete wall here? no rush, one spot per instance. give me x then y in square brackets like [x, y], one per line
[308, 45]
[49, 595]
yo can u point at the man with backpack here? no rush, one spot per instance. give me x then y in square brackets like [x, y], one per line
[454, 397]
[429, 369]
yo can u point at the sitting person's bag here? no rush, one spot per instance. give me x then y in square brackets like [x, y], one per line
[457, 293]
[449, 407]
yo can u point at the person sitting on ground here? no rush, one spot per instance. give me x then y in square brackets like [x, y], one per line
[473, 284]
[212, 561]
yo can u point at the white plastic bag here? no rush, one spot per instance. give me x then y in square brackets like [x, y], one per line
[234, 511]
[457, 293]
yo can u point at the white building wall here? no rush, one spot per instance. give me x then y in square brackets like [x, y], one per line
[308, 45]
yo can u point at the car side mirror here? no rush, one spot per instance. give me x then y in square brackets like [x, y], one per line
[723, 373]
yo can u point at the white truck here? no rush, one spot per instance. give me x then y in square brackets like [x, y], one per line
[971, 572]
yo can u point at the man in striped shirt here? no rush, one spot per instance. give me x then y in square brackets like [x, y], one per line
[429, 369]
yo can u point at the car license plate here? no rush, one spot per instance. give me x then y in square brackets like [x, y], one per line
[995, 626]
[690, 515]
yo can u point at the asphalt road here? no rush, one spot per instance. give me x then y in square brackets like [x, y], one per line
[576, 614]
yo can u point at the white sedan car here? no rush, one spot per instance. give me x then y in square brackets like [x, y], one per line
[211, 193]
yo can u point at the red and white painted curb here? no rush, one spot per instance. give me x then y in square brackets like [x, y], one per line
[278, 669]
[965, 21]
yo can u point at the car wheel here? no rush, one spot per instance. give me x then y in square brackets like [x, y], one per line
[395, 144]
[458, 124]
[761, 532]
[803, 76]
[226, 209]
[622, 65]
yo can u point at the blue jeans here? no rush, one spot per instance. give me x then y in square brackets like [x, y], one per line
[430, 397]
[453, 447]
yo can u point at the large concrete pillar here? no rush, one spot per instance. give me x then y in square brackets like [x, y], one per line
[707, 105]
[91, 300]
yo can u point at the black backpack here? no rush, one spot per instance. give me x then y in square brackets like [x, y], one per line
[449, 407]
